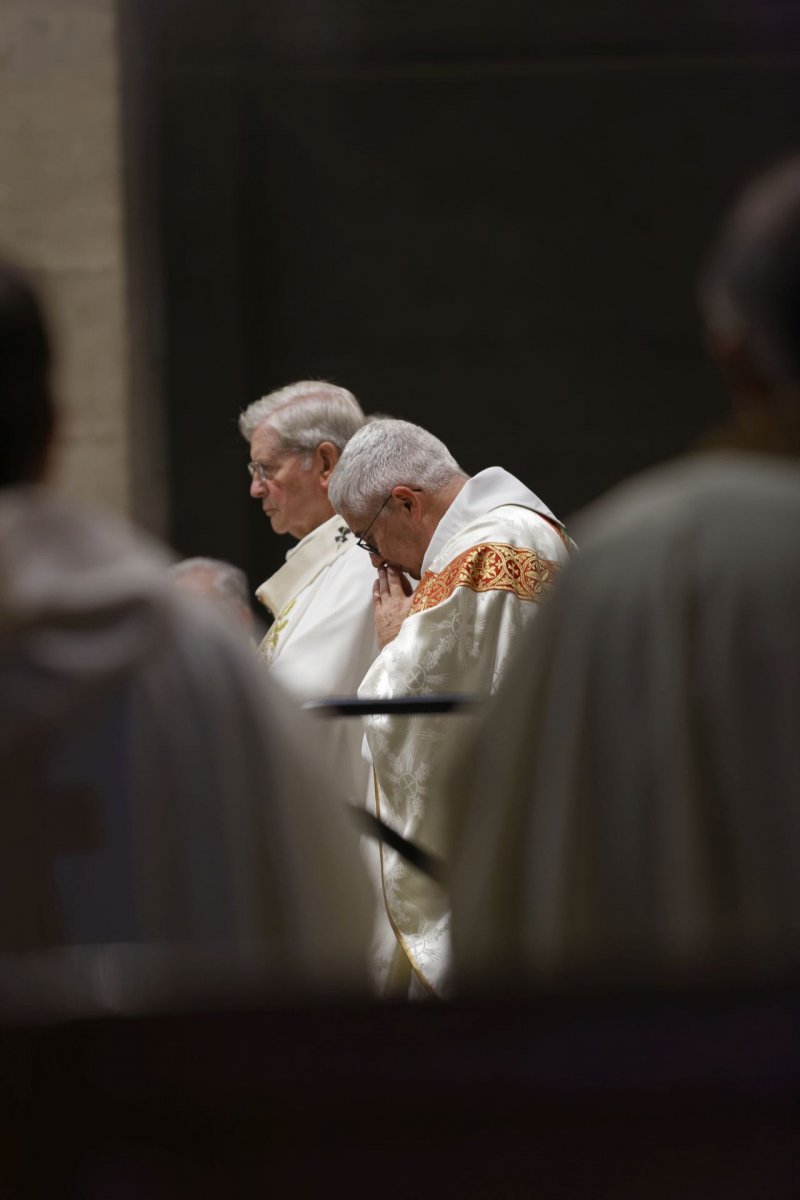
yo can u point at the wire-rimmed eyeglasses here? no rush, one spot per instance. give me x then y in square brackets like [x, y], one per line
[362, 540]
[259, 470]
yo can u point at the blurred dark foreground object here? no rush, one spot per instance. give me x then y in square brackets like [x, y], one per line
[398, 706]
[373, 827]
[395, 706]
[691, 1094]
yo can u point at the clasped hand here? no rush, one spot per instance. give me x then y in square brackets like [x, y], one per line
[391, 594]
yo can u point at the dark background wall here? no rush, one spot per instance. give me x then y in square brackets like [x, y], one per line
[483, 215]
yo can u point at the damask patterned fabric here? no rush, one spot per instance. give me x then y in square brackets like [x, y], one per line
[480, 588]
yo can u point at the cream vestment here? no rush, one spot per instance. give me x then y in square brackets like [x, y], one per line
[633, 798]
[156, 792]
[492, 558]
[323, 638]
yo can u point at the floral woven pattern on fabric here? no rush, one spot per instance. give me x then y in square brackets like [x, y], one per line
[490, 567]
[269, 644]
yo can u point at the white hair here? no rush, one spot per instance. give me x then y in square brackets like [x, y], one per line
[751, 283]
[228, 581]
[304, 414]
[383, 455]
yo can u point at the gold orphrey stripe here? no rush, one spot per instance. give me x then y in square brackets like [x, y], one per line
[492, 566]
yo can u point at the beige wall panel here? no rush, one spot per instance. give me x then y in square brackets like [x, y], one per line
[61, 216]
[86, 316]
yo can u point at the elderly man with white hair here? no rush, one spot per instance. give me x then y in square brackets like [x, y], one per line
[485, 550]
[322, 640]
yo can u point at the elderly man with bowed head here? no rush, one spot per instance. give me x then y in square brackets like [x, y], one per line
[322, 639]
[486, 550]
[161, 813]
[644, 756]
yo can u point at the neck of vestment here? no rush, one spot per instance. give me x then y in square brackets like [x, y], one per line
[304, 562]
[485, 491]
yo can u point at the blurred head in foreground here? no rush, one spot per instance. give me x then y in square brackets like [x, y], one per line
[643, 760]
[750, 299]
[163, 815]
[220, 582]
[26, 408]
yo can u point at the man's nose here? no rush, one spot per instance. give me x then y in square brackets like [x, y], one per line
[376, 560]
[256, 486]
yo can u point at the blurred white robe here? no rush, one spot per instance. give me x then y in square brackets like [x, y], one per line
[492, 558]
[323, 638]
[633, 798]
[156, 792]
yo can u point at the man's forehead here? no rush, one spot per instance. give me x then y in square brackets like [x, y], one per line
[265, 442]
[354, 520]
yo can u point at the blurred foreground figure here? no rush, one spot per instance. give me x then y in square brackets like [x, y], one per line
[321, 641]
[485, 550]
[633, 800]
[220, 582]
[154, 793]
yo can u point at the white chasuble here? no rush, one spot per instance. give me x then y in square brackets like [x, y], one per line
[494, 555]
[323, 638]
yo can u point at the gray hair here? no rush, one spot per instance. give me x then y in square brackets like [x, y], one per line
[381, 456]
[304, 414]
[751, 282]
[228, 581]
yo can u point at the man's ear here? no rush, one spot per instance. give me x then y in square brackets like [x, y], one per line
[326, 457]
[739, 367]
[411, 499]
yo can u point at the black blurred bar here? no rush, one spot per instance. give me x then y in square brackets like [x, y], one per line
[374, 827]
[400, 706]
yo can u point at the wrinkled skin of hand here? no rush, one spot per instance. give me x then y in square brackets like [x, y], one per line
[391, 595]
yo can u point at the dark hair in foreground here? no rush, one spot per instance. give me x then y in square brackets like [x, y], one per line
[26, 407]
[751, 283]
